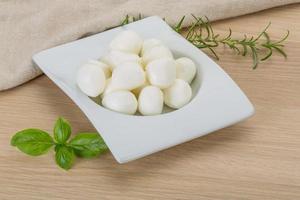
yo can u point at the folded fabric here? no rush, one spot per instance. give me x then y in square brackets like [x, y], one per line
[27, 27]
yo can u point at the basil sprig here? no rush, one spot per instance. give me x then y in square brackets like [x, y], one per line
[37, 142]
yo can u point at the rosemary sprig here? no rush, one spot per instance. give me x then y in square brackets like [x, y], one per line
[201, 34]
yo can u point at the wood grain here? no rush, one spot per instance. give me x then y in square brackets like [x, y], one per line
[256, 159]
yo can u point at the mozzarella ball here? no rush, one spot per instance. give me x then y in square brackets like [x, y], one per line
[91, 79]
[128, 41]
[151, 101]
[120, 101]
[161, 72]
[186, 69]
[115, 58]
[149, 44]
[156, 52]
[128, 76]
[178, 95]
[106, 69]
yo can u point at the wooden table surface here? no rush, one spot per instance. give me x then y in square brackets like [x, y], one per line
[255, 159]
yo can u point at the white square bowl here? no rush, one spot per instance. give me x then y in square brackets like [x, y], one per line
[218, 102]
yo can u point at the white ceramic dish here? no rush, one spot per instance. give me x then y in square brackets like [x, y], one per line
[218, 102]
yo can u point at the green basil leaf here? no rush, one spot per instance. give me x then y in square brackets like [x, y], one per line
[64, 156]
[33, 142]
[62, 130]
[88, 145]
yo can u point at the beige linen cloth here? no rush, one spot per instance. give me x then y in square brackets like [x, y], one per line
[29, 26]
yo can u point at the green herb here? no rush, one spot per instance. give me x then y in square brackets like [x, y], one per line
[37, 142]
[201, 34]
[62, 130]
[87, 145]
[64, 156]
[33, 142]
[128, 19]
